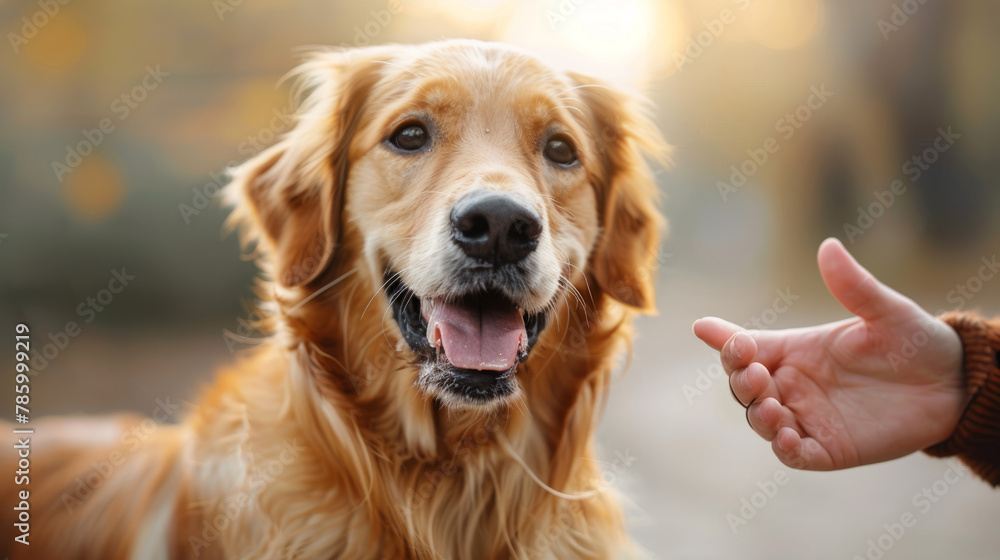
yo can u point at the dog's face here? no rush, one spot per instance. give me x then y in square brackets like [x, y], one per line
[473, 201]
[482, 189]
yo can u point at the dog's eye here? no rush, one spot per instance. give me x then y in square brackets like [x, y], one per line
[559, 150]
[410, 137]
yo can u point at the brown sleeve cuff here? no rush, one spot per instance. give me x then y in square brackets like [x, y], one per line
[976, 439]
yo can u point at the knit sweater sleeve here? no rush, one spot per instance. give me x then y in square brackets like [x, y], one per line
[976, 440]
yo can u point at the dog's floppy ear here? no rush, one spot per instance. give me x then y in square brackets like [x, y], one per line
[624, 261]
[288, 198]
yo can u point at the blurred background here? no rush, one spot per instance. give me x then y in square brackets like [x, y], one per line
[793, 120]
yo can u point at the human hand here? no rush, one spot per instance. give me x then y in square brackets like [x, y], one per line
[872, 388]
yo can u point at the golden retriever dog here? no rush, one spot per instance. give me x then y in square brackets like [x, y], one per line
[454, 240]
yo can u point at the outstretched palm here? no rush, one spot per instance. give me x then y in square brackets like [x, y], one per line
[872, 388]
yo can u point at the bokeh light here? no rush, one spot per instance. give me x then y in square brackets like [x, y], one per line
[94, 190]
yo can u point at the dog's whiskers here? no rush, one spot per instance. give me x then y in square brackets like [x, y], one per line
[585, 281]
[387, 63]
[572, 292]
[577, 109]
[519, 402]
[323, 289]
[552, 200]
[388, 307]
[581, 86]
[394, 276]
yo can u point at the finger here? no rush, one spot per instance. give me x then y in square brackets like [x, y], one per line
[738, 352]
[752, 383]
[768, 416]
[714, 331]
[800, 453]
[856, 288]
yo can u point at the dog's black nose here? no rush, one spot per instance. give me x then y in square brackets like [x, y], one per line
[495, 227]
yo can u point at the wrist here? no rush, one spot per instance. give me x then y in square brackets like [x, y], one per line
[953, 381]
[977, 435]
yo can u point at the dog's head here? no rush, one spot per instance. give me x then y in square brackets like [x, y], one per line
[476, 189]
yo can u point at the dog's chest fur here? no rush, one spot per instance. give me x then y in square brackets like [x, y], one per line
[276, 490]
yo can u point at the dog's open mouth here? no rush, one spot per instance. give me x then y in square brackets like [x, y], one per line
[470, 346]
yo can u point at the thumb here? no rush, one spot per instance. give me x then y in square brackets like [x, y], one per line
[854, 287]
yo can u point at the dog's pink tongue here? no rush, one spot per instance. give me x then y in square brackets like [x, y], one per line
[483, 335]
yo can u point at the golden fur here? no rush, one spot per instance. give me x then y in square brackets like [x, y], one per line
[318, 444]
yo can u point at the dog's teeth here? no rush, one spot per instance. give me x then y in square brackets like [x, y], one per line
[434, 337]
[426, 308]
